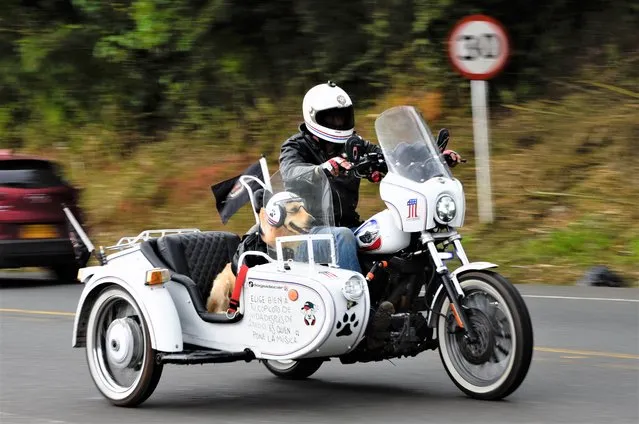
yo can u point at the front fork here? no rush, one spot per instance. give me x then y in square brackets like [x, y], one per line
[452, 286]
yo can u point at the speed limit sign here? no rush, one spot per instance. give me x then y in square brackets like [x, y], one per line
[478, 47]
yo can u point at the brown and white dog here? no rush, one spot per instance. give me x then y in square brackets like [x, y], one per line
[284, 215]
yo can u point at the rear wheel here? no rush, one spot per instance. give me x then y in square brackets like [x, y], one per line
[118, 347]
[493, 366]
[293, 370]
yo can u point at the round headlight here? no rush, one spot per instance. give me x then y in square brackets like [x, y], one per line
[446, 208]
[353, 288]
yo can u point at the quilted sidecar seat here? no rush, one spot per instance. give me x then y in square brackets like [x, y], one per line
[199, 256]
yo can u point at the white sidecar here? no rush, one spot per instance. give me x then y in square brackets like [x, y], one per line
[145, 307]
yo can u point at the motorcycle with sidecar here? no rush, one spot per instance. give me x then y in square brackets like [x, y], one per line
[143, 306]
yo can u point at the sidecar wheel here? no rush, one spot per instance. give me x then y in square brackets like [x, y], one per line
[494, 366]
[118, 347]
[293, 370]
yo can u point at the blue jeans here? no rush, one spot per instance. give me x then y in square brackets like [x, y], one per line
[345, 248]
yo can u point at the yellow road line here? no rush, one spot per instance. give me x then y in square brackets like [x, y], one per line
[538, 349]
[28, 311]
[587, 353]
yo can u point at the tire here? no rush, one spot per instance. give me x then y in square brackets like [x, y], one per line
[116, 318]
[293, 370]
[462, 362]
[66, 273]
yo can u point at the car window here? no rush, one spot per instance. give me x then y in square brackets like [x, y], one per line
[29, 174]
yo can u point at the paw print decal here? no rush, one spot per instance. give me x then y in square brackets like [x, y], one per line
[344, 326]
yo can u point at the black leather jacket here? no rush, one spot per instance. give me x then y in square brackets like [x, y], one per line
[301, 154]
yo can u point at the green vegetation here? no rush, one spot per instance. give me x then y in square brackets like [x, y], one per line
[148, 103]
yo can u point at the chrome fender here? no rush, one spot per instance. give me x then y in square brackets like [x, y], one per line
[155, 303]
[472, 266]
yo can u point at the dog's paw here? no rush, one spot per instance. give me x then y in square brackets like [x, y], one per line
[344, 325]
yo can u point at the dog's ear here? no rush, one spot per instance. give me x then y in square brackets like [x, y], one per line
[259, 199]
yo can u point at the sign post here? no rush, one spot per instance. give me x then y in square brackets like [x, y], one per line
[478, 48]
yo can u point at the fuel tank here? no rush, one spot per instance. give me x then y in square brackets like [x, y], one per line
[380, 234]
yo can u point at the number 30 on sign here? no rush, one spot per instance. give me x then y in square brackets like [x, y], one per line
[478, 47]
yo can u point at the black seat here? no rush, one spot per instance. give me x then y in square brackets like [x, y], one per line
[199, 256]
[194, 259]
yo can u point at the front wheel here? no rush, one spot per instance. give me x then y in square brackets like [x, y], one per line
[496, 363]
[118, 347]
[293, 370]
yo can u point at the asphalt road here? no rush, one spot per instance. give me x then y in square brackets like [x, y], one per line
[585, 370]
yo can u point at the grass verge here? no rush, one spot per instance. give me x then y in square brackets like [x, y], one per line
[564, 171]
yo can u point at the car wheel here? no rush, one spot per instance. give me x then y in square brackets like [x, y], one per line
[66, 273]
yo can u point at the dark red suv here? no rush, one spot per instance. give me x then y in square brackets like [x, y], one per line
[34, 231]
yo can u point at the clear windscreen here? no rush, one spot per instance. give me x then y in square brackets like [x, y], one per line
[410, 150]
[299, 206]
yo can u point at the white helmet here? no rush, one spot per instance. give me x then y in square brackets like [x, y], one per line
[328, 113]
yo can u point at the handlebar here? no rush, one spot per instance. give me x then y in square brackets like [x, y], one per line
[369, 165]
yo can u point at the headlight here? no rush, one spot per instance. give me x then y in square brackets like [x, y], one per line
[446, 208]
[353, 288]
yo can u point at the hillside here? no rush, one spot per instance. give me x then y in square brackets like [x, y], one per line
[564, 172]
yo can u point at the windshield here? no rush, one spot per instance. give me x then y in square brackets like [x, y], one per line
[410, 150]
[299, 206]
[29, 174]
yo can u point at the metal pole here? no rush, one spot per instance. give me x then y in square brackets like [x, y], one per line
[479, 95]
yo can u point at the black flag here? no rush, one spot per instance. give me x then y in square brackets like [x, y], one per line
[231, 195]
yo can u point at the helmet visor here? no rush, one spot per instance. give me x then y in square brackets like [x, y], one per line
[338, 118]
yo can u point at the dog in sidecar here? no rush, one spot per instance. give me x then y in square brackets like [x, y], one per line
[284, 215]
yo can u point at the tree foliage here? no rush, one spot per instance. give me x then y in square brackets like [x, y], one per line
[147, 67]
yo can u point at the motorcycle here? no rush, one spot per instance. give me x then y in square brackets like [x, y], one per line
[144, 306]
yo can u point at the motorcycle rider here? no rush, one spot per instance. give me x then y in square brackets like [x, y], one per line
[329, 121]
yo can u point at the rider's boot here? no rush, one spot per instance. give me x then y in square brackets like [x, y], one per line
[379, 330]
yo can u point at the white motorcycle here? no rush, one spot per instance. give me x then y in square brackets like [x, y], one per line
[144, 306]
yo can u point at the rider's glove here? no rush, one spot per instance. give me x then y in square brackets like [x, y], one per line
[336, 165]
[452, 158]
[375, 177]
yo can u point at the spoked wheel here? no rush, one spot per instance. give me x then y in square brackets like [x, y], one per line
[119, 353]
[495, 364]
[293, 370]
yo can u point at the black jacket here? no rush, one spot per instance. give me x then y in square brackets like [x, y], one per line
[250, 241]
[301, 154]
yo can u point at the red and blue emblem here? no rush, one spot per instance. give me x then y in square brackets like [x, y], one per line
[368, 237]
[412, 209]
